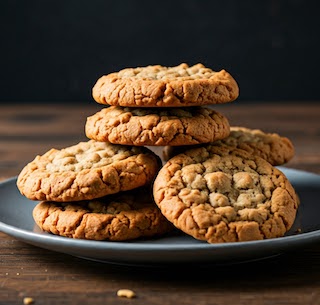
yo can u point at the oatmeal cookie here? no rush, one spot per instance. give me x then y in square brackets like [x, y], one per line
[118, 217]
[159, 86]
[157, 126]
[86, 171]
[220, 195]
[272, 147]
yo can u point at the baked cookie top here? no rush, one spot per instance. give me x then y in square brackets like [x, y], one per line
[157, 126]
[272, 147]
[118, 217]
[220, 195]
[86, 171]
[159, 86]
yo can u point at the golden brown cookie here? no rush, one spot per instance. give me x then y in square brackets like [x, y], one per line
[159, 86]
[118, 217]
[272, 147]
[157, 126]
[220, 195]
[86, 171]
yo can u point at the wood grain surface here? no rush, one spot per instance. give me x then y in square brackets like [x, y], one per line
[53, 278]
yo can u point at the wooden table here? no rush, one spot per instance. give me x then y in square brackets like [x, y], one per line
[53, 278]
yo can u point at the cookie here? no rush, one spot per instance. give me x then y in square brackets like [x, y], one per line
[86, 171]
[272, 147]
[159, 86]
[157, 126]
[118, 217]
[220, 195]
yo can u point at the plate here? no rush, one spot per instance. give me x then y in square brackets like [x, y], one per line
[16, 220]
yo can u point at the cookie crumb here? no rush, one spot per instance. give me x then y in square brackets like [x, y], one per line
[127, 293]
[298, 231]
[28, 301]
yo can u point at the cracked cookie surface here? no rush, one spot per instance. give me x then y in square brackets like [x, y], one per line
[86, 171]
[157, 126]
[272, 147]
[159, 86]
[220, 195]
[118, 217]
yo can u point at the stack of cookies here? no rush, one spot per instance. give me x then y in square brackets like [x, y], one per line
[218, 183]
[158, 106]
[89, 191]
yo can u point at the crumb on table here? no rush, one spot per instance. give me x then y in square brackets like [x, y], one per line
[127, 293]
[28, 301]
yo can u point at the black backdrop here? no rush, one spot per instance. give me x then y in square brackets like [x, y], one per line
[54, 51]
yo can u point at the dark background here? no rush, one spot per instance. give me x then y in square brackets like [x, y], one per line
[54, 51]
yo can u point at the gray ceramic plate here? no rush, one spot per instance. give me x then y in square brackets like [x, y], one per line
[16, 220]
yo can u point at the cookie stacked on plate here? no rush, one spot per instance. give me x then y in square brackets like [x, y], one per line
[218, 183]
[220, 193]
